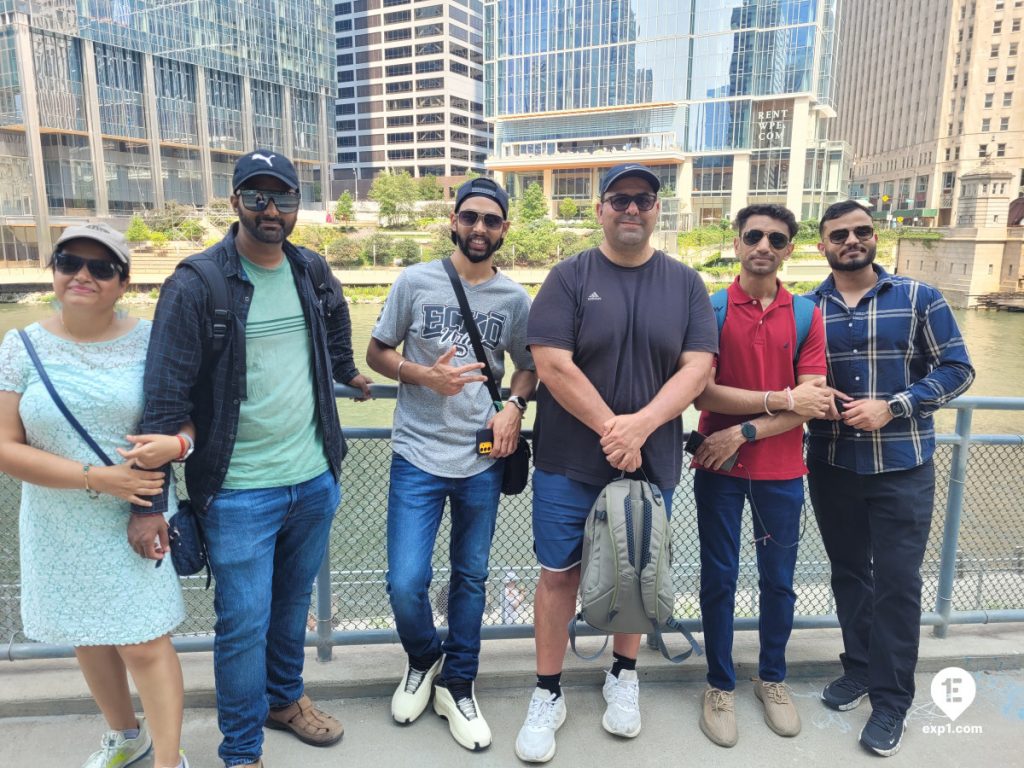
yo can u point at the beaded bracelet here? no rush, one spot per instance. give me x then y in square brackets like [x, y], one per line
[85, 473]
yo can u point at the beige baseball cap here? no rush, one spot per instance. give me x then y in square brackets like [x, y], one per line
[102, 233]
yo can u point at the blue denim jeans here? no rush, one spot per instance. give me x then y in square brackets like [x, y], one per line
[265, 548]
[719, 508]
[415, 504]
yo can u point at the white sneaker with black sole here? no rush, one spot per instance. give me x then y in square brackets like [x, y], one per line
[465, 720]
[413, 692]
[622, 694]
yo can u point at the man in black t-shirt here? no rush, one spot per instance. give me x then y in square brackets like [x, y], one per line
[623, 338]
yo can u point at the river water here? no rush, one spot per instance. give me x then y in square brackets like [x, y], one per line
[993, 338]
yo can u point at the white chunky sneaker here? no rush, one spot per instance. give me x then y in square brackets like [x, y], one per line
[413, 692]
[116, 751]
[622, 716]
[536, 740]
[465, 720]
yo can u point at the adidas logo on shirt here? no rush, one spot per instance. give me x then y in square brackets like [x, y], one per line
[594, 297]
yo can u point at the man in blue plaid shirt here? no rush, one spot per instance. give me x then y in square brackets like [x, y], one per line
[895, 356]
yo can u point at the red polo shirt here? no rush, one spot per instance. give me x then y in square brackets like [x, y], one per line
[755, 352]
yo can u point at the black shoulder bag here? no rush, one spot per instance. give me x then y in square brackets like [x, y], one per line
[517, 464]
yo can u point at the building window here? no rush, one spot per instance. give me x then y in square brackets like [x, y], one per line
[1011, 74]
[401, 70]
[986, 125]
[988, 100]
[1000, 150]
[1013, 49]
[1015, 25]
[397, 17]
[982, 150]
[997, 27]
[947, 153]
[991, 78]
[994, 52]
[393, 35]
[1008, 99]
[1004, 123]
[400, 52]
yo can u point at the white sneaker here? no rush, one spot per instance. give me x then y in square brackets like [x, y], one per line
[413, 692]
[465, 720]
[622, 716]
[536, 740]
[116, 751]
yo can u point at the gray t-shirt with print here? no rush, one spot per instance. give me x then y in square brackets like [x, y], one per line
[433, 432]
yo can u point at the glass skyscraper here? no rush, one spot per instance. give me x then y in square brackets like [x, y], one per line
[114, 106]
[730, 101]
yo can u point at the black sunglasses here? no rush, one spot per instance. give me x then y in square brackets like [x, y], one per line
[101, 269]
[840, 236]
[491, 220]
[776, 240]
[644, 201]
[258, 199]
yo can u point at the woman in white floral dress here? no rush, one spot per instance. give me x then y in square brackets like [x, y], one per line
[81, 582]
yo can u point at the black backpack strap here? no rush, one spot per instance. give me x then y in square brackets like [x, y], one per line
[473, 331]
[212, 275]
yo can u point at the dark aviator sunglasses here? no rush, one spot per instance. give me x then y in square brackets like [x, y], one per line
[840, 236]
[491, 220]
[644, 201]
[101, 269]
[776, 240]
[257, 200]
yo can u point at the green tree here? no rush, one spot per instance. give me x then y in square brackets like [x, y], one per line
[137, 231]
[533, 205]
[429, 189]
[441, 244]
[396, 194]
[344, 209]
[378, 249]
[344, 252]
[406, 251]
[568, 209]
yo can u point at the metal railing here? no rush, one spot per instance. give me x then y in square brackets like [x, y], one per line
[973, 567]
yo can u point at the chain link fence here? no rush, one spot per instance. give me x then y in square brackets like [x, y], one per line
[989, 565]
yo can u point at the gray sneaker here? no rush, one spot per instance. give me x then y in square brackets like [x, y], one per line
[718, 717]
[117, 752]
[536, 740]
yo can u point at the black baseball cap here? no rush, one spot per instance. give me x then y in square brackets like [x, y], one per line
[625, 170]
[482, 188]
[264, 162]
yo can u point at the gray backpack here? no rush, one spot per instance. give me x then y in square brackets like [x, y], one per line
[626, 581]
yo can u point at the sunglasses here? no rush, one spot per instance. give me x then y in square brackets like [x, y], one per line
[101, 269]
[776, 240]
[840, 236]
[258, 199]
[491, 220]
[644, 201]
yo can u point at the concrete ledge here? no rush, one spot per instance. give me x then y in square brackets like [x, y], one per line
[56, 687]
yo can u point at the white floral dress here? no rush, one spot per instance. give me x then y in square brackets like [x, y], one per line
[80, 581]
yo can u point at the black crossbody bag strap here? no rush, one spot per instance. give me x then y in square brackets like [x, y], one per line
[59, 402]
[473, 331]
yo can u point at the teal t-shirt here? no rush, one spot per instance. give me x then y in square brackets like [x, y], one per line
[279, 441]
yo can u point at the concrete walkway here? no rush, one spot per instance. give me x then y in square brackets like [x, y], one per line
[46, 718]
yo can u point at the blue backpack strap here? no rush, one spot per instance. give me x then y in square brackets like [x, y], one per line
[720, 303]
[803, 313]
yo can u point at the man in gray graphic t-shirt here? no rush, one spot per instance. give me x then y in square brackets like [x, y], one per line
[442, 403]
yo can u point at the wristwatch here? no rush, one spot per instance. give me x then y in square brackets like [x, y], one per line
[189, 449]
[897, 409]
[749, 431]
[518, 402]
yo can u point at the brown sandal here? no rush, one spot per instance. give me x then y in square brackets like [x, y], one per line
[309, 724]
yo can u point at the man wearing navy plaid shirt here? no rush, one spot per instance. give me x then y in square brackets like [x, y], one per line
[895, 356]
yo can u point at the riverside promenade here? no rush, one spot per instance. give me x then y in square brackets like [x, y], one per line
[48, 721]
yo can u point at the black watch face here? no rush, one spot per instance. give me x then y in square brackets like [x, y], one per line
[748, 430]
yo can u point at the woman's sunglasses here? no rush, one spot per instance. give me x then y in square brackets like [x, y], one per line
[257, 200]
[101, 269]
[776, 240]
[840, 236]
[491, 220]
[644, 201]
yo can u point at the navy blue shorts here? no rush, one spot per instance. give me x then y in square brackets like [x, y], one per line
[560, 509]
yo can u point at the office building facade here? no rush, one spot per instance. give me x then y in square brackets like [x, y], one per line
[729, 101]
[108, 107]
[409, 91]
[927, 90]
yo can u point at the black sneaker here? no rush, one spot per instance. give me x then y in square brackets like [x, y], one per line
[884, 733]
[843, 693]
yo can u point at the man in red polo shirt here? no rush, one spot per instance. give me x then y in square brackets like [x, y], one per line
[769, 378]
